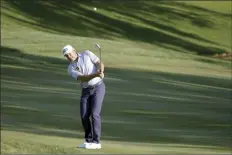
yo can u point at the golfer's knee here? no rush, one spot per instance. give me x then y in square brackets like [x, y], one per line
[96, 116]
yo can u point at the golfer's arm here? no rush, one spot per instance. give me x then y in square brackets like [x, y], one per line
[85, 78]
[100, 66]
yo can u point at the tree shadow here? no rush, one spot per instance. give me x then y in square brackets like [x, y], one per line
[152, 107]
[69, 17]
[159, 9]
[201, 9]
[167, 9]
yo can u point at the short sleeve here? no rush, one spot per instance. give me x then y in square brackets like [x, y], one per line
[92, 56]
[73, 73]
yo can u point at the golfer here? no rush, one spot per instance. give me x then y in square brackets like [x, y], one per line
[86, 68]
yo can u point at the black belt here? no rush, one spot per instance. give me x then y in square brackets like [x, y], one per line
[93, 86]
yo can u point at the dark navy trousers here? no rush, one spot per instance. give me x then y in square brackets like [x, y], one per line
[90, 110]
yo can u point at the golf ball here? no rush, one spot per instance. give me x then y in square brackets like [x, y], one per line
[95, 9]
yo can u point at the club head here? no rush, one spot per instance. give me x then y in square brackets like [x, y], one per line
[98, 46]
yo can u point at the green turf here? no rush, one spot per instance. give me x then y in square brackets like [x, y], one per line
[164, 91]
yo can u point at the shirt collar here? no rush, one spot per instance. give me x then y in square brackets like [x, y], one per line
[79, 55]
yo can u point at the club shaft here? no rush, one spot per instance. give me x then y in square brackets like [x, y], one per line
[100, 54]
[99, 48]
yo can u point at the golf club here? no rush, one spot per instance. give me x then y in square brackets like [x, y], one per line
[99, 48]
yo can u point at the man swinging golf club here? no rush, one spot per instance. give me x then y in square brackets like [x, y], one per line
[87, 68]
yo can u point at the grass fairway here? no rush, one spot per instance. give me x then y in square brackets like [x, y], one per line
[165, 94]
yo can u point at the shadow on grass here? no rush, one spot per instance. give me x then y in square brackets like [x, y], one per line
[201, 9]
[139, 106]
[159, 9]
[73, 18]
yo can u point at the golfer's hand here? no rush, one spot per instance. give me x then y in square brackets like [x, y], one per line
[99, 70]
[101, 75]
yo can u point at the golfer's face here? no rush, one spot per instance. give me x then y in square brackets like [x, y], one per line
[71, 56]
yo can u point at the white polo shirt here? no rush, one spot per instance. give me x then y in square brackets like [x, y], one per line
[84, 65]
